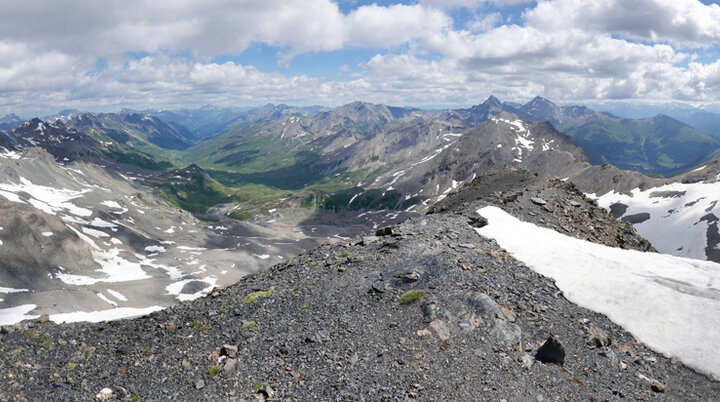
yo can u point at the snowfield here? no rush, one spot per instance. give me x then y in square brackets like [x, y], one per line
[672, 304]
[676, 208]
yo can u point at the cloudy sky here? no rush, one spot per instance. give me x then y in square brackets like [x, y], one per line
[105, 55]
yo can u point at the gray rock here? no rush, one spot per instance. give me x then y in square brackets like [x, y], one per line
[318, 336]
[229, 350]
[440, 329]
[655, 385]
[538, 201]
[597, 337]
[266, 391]
[230, 366]
[199, 383]
[526, 361]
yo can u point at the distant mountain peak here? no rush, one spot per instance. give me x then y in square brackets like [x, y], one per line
[10, 117]
[492, 100]
[542, 101]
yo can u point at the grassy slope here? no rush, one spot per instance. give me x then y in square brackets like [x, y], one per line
[256, 160]
[658, 145]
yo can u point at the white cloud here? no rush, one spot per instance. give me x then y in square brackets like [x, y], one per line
[447, 4]
[563, 49]
[683, 23]
[209, 28]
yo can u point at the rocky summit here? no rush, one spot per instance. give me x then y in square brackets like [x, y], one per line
[423, 310]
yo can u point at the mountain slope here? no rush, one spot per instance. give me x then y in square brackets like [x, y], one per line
[678, 216]
[433, 312]
[659, 144]
[503, 140]
[81, 242]
[56, 138]
[136, 130]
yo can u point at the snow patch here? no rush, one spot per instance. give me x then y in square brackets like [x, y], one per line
[628, 286]
[111, 204]
[48, 199]
[103, 315]
[12, 315]
[12, 290]
[176, 288]
[105, 299]
[117, 295]
[689, 232]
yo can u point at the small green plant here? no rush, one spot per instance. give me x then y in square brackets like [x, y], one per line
[45, 341]
[249, 329]
[305, 306]
[146, 351]
[412, 296]
[307, 261]
[311, 287]
[213, 370]
[70, 366]
[204, 328]
[8, 347]
[343, 255]
[260, 385]
[296, 288]
[254, 296]
[135, 398]
[195, 323]
[315, 265]
[223, 311]
[251, 326]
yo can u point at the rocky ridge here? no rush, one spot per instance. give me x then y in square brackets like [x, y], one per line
[426, 309]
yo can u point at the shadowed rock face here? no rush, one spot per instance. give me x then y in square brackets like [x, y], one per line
[636, 218]
[426, 309]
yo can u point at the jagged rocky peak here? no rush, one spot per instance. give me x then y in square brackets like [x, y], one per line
[538, 102]
[492, 100]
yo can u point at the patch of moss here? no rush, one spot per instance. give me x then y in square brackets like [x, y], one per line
[343, 255]
[254, 296]
[213, 370]
[204, 328]
[412, 296]
[8, 347]
[251, 326]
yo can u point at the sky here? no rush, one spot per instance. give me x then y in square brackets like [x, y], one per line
[111, 54]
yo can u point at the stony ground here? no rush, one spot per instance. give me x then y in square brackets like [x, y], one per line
[425, 310]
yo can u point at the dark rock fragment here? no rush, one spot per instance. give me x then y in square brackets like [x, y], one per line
[477, 221]
[384, 232]
[551, 351]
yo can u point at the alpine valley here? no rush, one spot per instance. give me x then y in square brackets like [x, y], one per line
[360, 252]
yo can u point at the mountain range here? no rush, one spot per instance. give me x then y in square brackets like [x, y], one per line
[115, 215]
